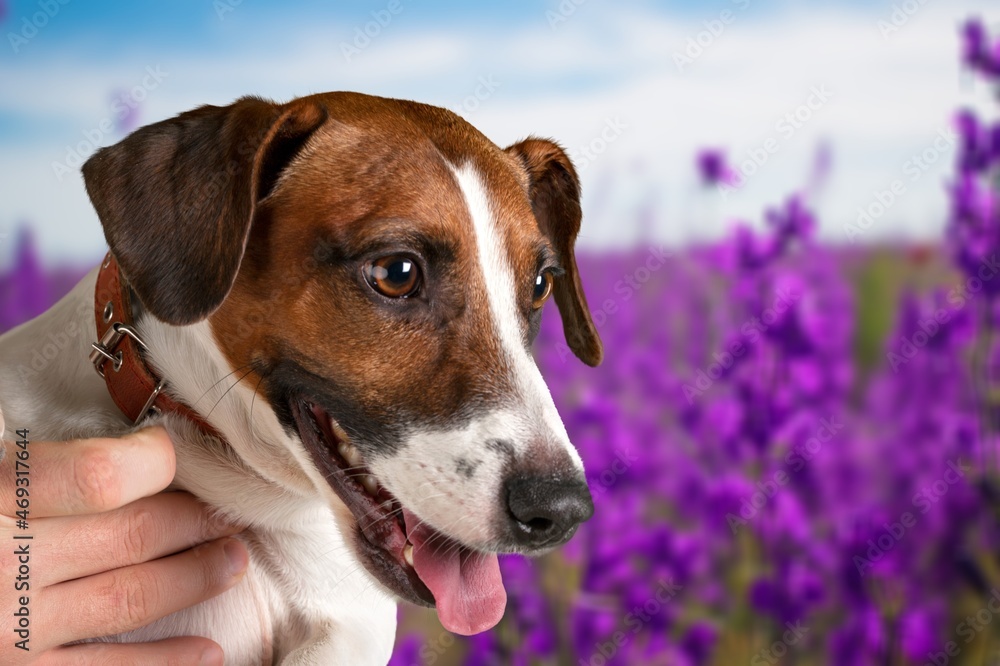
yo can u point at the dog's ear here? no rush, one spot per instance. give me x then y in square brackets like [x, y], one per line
[176, 199]
[554, 191]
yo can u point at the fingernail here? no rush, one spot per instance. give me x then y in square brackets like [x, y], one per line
[212, 656]
[236, 553]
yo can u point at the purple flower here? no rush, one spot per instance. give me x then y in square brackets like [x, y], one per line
[714, 168]
[974, 44]
[792, 222]
[407, 652]
[974, 229]
[920, 633]
[699, 642]
[752, 250]
[977, 52]
[775, 480]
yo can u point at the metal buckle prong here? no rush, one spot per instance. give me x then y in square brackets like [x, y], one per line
[104, 350]
[149, 403]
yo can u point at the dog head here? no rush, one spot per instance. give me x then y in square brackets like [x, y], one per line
[379, 267]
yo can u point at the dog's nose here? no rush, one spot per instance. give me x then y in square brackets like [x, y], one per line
[545, 512]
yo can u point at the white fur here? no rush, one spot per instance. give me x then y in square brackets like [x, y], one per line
[46, 383]
[465, 507]
[306, 599]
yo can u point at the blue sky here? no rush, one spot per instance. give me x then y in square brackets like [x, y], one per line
[109, 30]
[607, 62]
[191, 22]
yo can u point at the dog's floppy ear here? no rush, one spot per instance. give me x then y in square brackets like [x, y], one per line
[554, 191]
[176, 199]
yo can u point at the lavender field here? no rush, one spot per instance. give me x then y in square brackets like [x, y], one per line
[792, 447]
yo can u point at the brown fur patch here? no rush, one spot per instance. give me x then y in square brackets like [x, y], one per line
[321, 186]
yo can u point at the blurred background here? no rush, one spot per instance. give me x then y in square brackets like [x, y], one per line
[790, 220]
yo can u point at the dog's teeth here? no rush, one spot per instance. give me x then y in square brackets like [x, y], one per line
[350, 454]
[370, 484]
[344, 450]
[408, 554]
[338, 431]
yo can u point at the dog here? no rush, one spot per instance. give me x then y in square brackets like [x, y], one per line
[330, 305]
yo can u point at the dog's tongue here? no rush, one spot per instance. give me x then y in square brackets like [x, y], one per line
[466, 585]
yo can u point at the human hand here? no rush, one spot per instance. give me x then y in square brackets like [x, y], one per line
[107, 553]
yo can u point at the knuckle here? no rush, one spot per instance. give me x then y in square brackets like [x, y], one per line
[131, 598]
[96, 479]
[138, 540]
[8, 655]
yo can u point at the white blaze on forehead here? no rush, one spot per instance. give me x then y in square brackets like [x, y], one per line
[501, 292]
[429, 475]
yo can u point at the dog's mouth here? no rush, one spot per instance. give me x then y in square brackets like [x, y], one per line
[411, 559]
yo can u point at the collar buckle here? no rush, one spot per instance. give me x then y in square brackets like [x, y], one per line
[119, 343]
[104, 350]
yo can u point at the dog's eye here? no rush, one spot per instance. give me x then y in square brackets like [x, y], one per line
[543, 288]
[394, 276]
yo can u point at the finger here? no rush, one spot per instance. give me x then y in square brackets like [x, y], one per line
[129, 598]
[87, 475]
[147, 529]
[185, 651]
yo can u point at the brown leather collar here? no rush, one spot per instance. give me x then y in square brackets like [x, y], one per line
[118, 354]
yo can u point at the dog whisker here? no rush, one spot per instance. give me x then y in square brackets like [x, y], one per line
[223, 396]
[219, 381]
[253, 398]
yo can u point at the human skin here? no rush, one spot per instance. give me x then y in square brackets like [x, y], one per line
[110, 552]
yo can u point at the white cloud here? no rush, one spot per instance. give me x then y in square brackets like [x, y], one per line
[890, 97]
